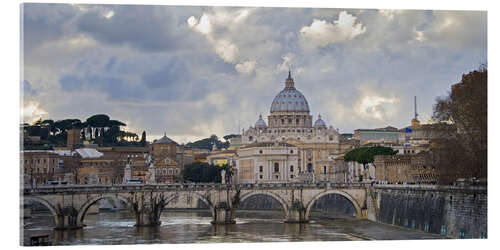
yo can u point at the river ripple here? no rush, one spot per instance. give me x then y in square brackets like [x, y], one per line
[194, 227]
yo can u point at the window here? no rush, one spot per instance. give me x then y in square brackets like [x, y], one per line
[250, 138]
[282, 121]
[277, 177]
[289, 121]
[291, 151]
[260, 151]
[291, 168]
[260, 176]
[276, 167]
[170, 171]
[164, 171]
[177, 171]
[324, 169]
[291, 176]
[261, 169]
[297, 121]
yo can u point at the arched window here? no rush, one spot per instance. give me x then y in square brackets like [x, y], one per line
[276, 167]
[291, 168]
[250, 138]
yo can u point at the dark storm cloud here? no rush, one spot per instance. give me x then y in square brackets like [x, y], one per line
[115, 88]
[148, 28]
[174, 72]
[45, 22]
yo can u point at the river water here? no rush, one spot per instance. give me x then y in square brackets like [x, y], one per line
[117, 227]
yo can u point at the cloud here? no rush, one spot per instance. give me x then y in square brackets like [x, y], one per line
[460, 29]
[376, 107]
[390, 13]
[31, 112]
[27, 89]
[124, 24]
[217, 26]
[196, 71]
[321, 33]
[246, 67]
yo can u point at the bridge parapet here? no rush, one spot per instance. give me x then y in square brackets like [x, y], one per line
[72, 189]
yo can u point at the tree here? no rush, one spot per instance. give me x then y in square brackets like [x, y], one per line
[365, 155]
[465, 107]
[208, 143]
[227, 137]
[202, 172]
[143, 139]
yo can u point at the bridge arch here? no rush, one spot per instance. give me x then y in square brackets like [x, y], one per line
[268, 193]
[47, 204]
[341, 193]
[207, 202]
[83, 209]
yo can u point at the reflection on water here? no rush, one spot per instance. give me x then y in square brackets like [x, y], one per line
[195, 227]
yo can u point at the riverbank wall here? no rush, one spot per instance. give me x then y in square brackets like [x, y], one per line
[452, 211]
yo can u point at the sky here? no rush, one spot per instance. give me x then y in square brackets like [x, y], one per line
[191, 72]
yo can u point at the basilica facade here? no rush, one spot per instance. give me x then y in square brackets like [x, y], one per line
[303, 151]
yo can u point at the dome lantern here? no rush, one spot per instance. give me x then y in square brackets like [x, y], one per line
[319, 122]
[260, 123]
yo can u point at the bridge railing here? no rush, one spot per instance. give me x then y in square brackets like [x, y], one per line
[183, 186]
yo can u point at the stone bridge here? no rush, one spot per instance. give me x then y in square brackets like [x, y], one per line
[69, 204]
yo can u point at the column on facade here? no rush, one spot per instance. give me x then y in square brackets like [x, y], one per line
[269, 163]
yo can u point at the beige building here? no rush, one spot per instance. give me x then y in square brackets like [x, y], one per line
[169, 159]
[290, 122]
[267, 162]
[39, 166]
[410, 168]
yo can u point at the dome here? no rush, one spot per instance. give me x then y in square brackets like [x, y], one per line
[260, 123]
[289, 99]
[319, 122]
